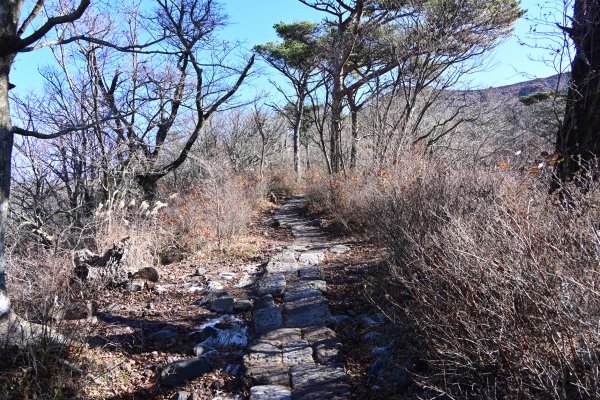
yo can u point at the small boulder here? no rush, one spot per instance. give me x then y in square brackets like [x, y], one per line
[339, 249]
[181, 396]
[242, 305]
[179, 372]
[135, 285]
[200, 271]
[222, 305]
[147, 274]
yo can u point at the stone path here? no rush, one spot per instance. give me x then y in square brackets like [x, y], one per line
[294, 354]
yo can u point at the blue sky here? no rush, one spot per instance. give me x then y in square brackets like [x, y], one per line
[251, 21]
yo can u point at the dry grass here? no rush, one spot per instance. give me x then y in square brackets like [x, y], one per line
[500, 280]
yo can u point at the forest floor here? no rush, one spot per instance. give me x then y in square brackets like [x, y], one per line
[135, 334]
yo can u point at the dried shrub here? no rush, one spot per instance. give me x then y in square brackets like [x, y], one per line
[499, 279]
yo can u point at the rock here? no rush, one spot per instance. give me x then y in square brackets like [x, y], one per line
[263, 364]
[228, 276]
[339, 249]
[297, 353]
[265, 301]
[205, 333]
[317, 223]
[195, 289]
[335, 320]
[309, 272]
[267, 319]
[377, 367]
[311, 257]
[200, 271]
[203, 350]
[181, 396]
[147, 274]
[242, 305]
[379, 351]
[212, 296]
[232, 333]
[329, 351]
[222, 305]
[162, 288]
[179, 372]
[372, 336]
[164, 334]
[368, 321]
[214, 285]
[270, 392]
[234, 369]
[274, 285]
[135, 285]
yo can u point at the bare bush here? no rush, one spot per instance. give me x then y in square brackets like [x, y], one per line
[500, 280]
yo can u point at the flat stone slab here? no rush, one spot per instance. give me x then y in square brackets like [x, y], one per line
[330, 391]
[265, 301]
[267, 319]
[339, 249]
[273, 285]
[307, 315]
[297, 353]
[270, 392]
[301, 294]
[222, 305]
[319, 285]
[278, 267]
[281, 336]
[264, 365]
[311, 257]
[310, 272]
[305, 376]
[317, 333]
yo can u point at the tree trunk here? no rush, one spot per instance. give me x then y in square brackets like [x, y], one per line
[336, 128]
[354, 148]
[149, 185]
[6, 145]
[578, 140]
[297, 129]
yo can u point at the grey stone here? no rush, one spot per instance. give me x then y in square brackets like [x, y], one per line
[270, 392]
[317, 333]
[210, 297]
[329, 391]
[135, 285]
[337, 319]
[278, 267]
[307, 312]
[304, 376]
[195, 289]
[299, 294]
[222, 305]
[329, 351]
[310, 272]
[164, 334]
[265, 301]
[267, 319]
[233, 369]
[179, 372]
[200, 271]
[274, 285]
[311, 257]
[297, 353]
[264, 365]
[281, 336]
[339, 249]
[379, 351]
[214, 285]
[368, 321]
[372, 337]
[228, 276]
[242, 305]
[202, 350]
[181, 396]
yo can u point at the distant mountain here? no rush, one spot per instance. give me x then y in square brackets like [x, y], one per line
[516, 90]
